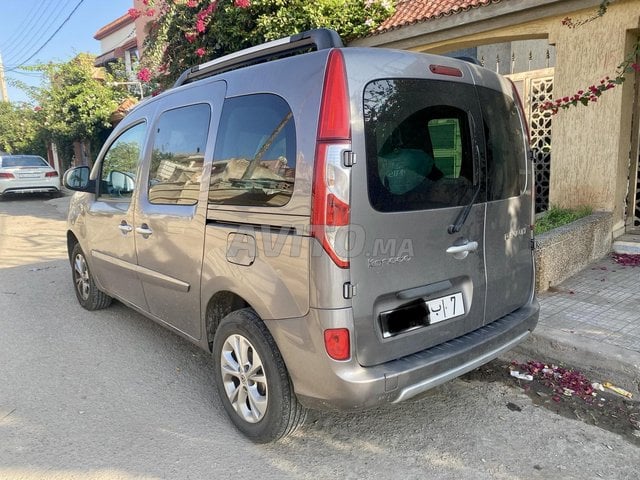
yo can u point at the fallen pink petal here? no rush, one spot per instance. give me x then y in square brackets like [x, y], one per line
[626, 259]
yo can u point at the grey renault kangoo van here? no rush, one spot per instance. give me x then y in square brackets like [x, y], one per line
[339, 227]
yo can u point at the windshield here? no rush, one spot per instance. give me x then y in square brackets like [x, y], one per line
[22, 161]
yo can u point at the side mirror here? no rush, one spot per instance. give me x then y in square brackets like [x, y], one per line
[77, 179]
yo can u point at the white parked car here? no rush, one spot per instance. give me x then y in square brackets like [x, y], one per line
[27, 174]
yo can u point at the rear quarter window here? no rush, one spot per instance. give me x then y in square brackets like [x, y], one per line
[254, 161]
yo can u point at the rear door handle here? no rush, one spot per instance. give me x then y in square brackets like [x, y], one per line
[461, 251]
[125, 227]
[144, 230]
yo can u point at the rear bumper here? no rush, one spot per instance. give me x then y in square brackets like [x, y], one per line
[17, 189]
[322, 383]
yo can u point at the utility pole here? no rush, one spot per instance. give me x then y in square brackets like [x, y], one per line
[4, 97]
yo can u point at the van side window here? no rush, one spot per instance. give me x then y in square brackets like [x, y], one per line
[120, 165]
[506, 152]
[178, 155]
[419, 153]
[254, 161]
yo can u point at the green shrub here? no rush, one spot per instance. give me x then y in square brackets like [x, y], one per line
[556, 217]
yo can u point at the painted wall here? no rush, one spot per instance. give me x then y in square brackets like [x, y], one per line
[118, 38]
[591, 146]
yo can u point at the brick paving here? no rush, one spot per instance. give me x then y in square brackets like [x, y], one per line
[602, 302]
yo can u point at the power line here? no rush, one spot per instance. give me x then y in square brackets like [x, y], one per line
[22, 27]
[37, 34]
[32, 32]
[50, 38]
[26, 73]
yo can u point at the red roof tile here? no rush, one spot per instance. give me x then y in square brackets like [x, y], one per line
[409, 12]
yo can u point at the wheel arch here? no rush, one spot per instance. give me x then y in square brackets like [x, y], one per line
[71, 242]
[220, 305]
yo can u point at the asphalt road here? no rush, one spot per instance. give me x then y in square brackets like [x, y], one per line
[112, 395]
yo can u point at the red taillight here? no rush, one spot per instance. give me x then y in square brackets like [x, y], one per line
[337, 211]
[6, 175]
[444, 70]
[335, 122]
[337, 344]
[330, 199]
[51, 174]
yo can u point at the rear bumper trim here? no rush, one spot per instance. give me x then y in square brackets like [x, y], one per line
[429, 383]
[43, 189]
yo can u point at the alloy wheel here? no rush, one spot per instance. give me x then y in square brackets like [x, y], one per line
[81, 276]
[244, 379]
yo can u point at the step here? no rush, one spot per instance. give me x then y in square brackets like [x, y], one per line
[628, 244]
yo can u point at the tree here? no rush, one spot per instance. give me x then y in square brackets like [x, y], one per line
[77, 102]
[19, 129]
[189, 32]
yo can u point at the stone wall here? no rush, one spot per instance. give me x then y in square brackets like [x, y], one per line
[564, 251]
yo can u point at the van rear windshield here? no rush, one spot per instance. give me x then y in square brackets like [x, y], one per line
[418, 141]
[505, 145]
[419, 148]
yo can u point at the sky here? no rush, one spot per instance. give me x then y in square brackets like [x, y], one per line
[26, 25]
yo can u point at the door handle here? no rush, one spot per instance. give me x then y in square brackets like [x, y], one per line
[125, 227]
[461, 251]
[144, 230]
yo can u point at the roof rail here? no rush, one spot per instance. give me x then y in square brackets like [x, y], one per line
[321, 39]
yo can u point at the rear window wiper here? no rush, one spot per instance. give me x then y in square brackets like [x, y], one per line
[462, 216]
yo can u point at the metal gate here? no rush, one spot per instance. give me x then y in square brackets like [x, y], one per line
[633, 199]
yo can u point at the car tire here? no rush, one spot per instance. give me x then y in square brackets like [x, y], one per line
[256, 390]
[88, 294]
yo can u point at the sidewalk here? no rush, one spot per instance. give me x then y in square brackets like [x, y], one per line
[592, 322]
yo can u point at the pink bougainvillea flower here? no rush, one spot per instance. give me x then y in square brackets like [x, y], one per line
[200, 52]
[134, 13]
[144, 75]
[191, 37]
[192, 3]
[242, 3]
[150, 13]
[200, 26]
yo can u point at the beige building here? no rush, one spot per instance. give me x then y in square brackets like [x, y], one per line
[118, 40]
[584, 155]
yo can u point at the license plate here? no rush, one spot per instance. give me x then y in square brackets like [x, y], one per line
[29, 175]
[445, 307]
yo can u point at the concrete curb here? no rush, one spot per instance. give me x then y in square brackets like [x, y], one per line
[599, 361]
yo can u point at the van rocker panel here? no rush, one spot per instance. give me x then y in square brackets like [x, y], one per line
[324, 384]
